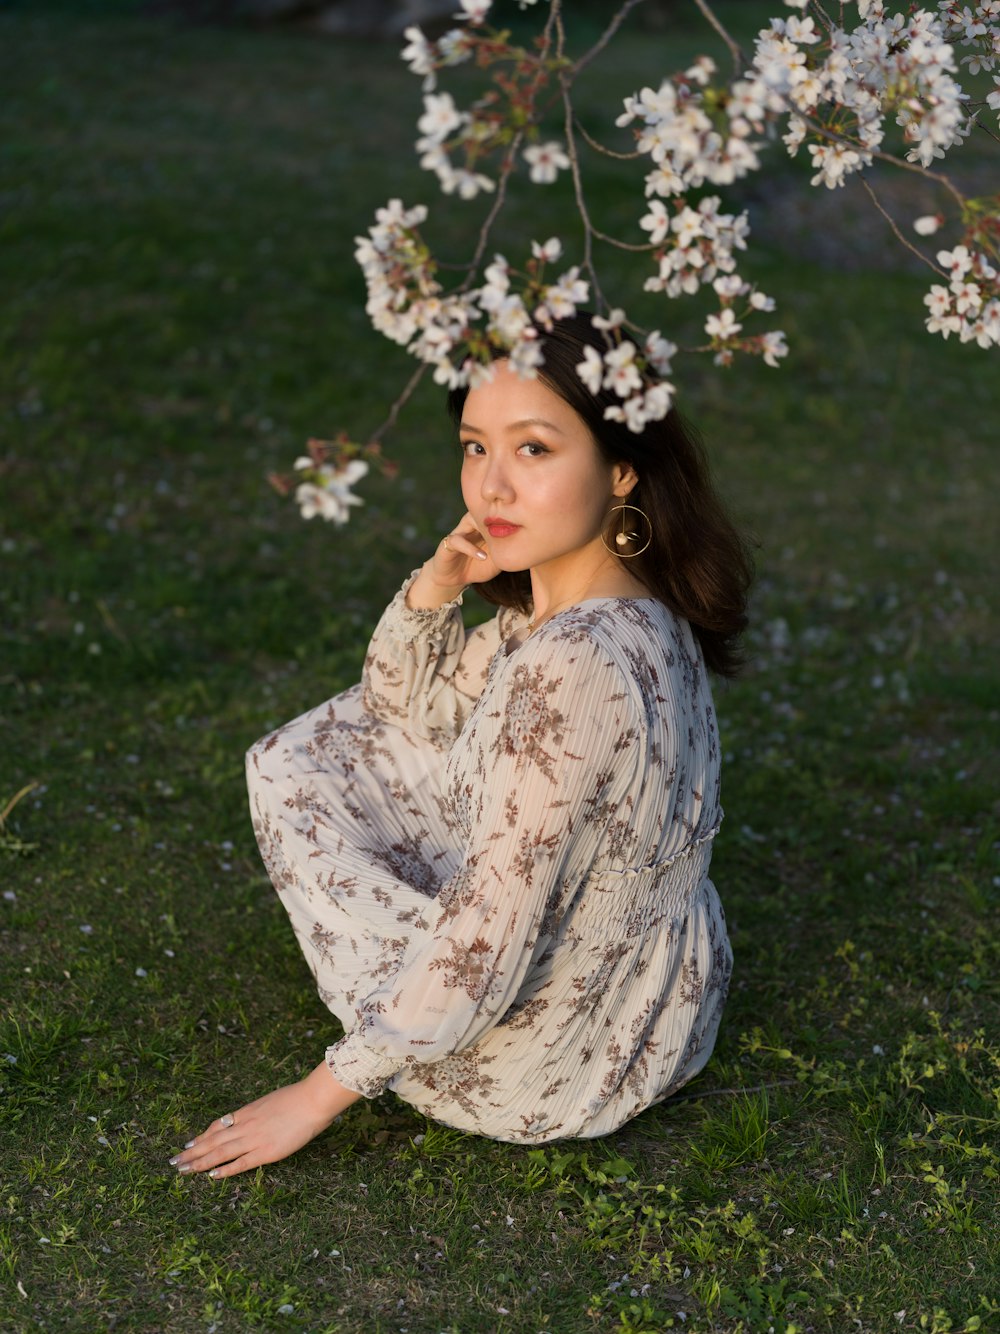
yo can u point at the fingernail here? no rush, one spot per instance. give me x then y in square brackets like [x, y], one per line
[214, 1172]
[184, 1167]
[175, 1160]
[189, 1144]
[480, 555]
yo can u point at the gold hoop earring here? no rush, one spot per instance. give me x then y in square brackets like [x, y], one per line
[625, 535]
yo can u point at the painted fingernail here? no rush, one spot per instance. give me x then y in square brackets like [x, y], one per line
[184, 1167]
[214, 1172]
[189, 1144]
[480, 555]
[175, 1160]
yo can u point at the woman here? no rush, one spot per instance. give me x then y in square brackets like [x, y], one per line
[494, 851]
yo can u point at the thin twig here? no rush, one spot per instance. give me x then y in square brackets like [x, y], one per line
[903, 240]
[718, 1093]
[986, 130]
[506, 171]
[608, 152]
[880, 155]
[636, 247]
[553, 22]
[581, 203]
[28, 787]
[605, 37]
[400, 402]
[734, 47]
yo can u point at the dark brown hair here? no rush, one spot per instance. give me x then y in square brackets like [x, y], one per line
[697, 563]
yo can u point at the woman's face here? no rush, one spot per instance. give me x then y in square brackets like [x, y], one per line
[532, 476]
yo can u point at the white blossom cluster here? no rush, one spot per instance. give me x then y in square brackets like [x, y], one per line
[621, 369]
[970, 305]
[836, 88]
[455, 332]
[326, 488]
[836, 91]
[976, 26]
[900, 63]
[445, 130]
[684, 141]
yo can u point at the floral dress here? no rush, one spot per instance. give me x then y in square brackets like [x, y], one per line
[494, 853]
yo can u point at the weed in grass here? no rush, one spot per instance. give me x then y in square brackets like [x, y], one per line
[736, 1135]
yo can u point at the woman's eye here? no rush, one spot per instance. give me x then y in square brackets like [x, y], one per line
[534, 449]
[471, 447]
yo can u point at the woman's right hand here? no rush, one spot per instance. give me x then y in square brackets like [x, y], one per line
[460, 559]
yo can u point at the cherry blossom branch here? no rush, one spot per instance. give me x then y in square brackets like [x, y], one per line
[553, 22]
[711, 17]
[506, 171]
[698, 131]
[986, 130]
[903, 240]
[574, 161]
[880, 155]
[605, 37]
[607, 152]
[397, 407]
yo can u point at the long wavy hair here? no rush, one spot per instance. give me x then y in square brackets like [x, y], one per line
[697, 563]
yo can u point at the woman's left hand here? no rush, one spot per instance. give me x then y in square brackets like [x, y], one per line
[267, 1129]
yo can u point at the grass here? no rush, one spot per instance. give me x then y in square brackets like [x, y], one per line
[180, 313]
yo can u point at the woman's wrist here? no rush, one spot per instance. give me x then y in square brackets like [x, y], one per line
[327, 1095]
[426, 594]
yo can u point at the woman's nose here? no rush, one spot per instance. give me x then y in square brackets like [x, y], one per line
[496, 484]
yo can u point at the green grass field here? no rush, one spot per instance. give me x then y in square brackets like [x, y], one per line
[180, 312]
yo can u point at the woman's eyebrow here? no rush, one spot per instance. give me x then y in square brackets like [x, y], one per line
[516, 426]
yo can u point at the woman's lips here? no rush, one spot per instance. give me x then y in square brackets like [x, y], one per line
[501, 528]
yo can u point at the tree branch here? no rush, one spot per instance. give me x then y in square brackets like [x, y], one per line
[506, 171]
[903, 240]
[581, 203]
[401, 401]
[605, 37]
[711, 17]
[835, 137]
[608, 152]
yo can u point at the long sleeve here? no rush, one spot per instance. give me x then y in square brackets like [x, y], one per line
[549, 746]
[424, 671]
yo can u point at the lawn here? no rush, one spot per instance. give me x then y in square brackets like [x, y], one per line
[180, 312]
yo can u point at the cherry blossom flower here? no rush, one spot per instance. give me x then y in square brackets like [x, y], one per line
[546, 161]
[928, 224]
[773, 346]
[723, 325]
[526, 356]
[959, 261]
[330, 496]
[475, 10]
[439, 119]
[548, 251]
[942, 319]
[563, 297]
[656, 222]
[660, 352]
[419, 55]
[613, 320]
[591, 369]
[622, 374]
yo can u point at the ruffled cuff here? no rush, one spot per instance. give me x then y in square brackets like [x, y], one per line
[410, 623]
[359, 1068]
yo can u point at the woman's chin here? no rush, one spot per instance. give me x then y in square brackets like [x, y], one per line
[509, 564]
